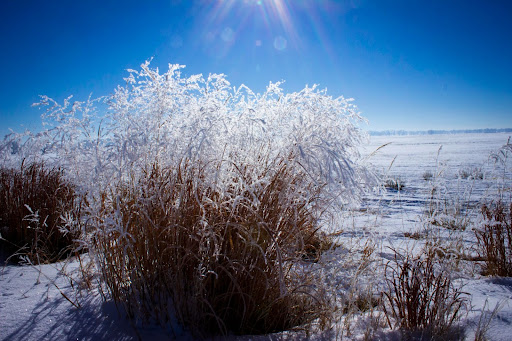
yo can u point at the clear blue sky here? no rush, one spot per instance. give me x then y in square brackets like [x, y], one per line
[409, 64]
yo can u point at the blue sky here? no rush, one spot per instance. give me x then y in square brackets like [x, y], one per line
[409, 64]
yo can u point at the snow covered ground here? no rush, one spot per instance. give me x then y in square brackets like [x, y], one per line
[35, 300]
[388, 215]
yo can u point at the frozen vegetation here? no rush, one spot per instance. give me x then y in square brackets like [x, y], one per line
[183, 207]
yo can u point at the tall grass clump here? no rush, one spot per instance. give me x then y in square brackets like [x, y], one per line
[34, 200]
[206, 202]
[471, 174]
[395, 184]
[495, 239]
[421, 298]
[219, 258]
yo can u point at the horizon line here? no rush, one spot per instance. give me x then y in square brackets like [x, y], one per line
[438, 131]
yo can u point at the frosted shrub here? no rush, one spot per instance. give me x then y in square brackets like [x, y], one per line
[395, 184]
[166, 117]
[502, 162]
[471, 174]
[205, 195]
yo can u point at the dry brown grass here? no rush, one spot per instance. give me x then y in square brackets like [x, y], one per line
[495, 239]
[228, 260]
[32, 201]
[421, 298]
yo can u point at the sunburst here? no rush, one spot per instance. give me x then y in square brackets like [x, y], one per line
[275, 14]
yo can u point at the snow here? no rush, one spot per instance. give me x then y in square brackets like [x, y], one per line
[33, 303]
[33, 308]
[388, 215]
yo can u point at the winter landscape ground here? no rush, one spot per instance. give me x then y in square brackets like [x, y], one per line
[196, 210]
[33, 307]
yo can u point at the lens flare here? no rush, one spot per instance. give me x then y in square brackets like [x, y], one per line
[284, 25]
[280, 43]
[274, 14]
[277, 17]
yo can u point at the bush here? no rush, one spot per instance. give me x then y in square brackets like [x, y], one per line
[219, 258]
[472, 174]
[421, 297]
[395, 184]
[495, 239]
[428, 175]
[225, 228]
[33, 200]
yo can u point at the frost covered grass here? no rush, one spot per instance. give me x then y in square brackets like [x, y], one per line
[474, 174]
[395, 184]
[219, 257]
[37, 209]
[207, 205]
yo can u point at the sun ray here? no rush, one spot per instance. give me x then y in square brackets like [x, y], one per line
[275, 15]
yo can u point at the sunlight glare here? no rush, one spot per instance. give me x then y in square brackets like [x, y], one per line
[275, 15]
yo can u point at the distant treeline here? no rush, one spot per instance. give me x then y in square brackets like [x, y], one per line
[434, 132]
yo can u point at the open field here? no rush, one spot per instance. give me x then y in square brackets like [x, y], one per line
[446, 179]
[423, 162]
